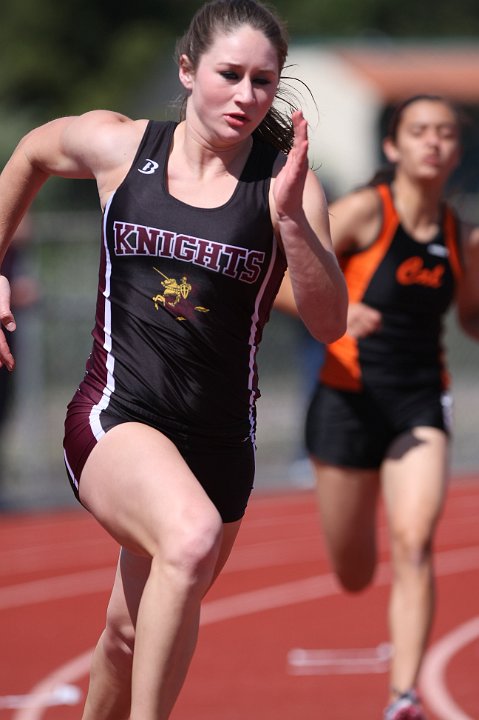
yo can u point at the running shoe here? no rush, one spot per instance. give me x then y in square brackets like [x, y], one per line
[406, 707]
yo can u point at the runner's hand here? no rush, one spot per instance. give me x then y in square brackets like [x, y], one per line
[289, 185]
[363, 320]
[7, 321]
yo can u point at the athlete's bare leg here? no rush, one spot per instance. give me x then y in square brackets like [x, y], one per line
[174, 544]
[109, 693]
[414, 480]
[347, 500]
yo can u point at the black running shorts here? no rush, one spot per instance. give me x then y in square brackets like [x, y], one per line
[225, 471]
[355, 429]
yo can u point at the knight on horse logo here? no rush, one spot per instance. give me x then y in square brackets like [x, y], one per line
[173, 292]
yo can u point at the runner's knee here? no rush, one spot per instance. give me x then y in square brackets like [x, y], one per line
[190, 558]
[411, 547]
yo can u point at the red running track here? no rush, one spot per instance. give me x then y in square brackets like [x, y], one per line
[279, 640]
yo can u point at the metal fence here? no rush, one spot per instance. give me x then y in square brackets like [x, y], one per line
[53, 342]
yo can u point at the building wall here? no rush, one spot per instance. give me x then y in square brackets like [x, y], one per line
[343, 125]
[352, 83]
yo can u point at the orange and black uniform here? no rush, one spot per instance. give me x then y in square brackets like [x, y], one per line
[373, 389]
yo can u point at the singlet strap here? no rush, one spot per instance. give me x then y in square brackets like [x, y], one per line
[363, 264]
[390, 215]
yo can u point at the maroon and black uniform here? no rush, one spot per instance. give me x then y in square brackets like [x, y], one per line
[373, 389]
[184, 294]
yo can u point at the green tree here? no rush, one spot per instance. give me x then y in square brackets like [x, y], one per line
[59, 58]
[64, 57]
[371, 18]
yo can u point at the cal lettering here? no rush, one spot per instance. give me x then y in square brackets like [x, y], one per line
[413, 272]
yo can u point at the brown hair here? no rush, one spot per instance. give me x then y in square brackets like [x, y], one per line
[224, 16]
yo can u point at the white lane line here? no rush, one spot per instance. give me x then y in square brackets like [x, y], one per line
[90, 582]
[60, 695]
[66, 674]
[52, 556]
[355, 661]
[269, 598]
[212, 612]
[264, 599]
[433, 674]
[63, 586]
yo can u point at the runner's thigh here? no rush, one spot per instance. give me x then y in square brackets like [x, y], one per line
[138, 486]
[414, 477]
